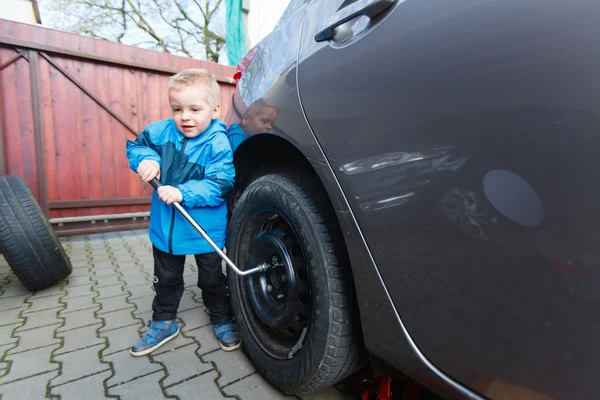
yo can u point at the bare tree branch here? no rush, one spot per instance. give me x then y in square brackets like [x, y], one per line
[188, 32]
[185, 15]
[200, 8]
[211, 13]
[185, 27]
[143, 24]
[183, 49]
[124, 16]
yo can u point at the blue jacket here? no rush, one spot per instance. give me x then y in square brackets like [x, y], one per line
[202, 169]
[236, 136]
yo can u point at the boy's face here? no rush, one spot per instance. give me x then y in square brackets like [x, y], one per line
[191, 111]
[261, 121]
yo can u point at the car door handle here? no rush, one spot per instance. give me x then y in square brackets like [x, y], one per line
[369, 8]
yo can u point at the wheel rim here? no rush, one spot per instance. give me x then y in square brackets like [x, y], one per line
[278, 306]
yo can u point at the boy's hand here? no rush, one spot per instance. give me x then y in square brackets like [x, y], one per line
[169, 194]
[148, 170]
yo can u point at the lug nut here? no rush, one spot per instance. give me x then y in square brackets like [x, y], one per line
[280, 296]
[283, 278]
[269, 288]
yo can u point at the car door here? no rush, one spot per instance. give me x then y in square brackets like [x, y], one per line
[465, 135]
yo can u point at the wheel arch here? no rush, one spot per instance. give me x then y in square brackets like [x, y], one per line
[265, 153]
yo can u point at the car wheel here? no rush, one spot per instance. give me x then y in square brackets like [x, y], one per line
[27, 240]
[298, 319]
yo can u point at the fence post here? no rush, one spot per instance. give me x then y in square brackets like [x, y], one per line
[36, 101]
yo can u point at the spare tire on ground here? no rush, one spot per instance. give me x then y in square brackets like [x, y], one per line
[27, 240]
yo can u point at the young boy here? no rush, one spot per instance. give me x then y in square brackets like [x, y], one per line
[192, 157]
[259, 117]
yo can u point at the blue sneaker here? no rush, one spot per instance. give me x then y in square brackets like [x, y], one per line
[157, 334]
[227, 336]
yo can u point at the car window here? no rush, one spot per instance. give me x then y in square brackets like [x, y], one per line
[291, 9]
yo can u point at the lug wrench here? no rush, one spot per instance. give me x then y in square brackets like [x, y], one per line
[259, 268]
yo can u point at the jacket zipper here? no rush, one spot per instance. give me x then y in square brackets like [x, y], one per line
[177, 170]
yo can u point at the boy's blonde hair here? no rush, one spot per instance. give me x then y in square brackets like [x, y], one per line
[197, 76]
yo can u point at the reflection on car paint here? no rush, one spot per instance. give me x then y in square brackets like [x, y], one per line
[258, 118]
[387, 202]
[399, 177]
[389, 160]
[465, 208]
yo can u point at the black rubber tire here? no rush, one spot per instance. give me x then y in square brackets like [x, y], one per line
[332, 348]
[27, 240]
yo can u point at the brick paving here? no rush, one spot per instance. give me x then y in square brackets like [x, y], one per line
[71, 341]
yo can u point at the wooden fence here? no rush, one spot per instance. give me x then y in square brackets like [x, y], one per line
[68, 103]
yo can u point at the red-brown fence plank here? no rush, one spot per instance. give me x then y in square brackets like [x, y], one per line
[105, 127]
[73, 103]
[7, 58]
[130, 97]
[10, 109]
[82, 161]
[110, 139]
[47, 128]
[89, 128]
[122, 163]
[123, 173]
[105, 140]
[24, 119]
[67, 137]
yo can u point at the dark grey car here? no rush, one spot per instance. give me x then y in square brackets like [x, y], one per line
[422, 176]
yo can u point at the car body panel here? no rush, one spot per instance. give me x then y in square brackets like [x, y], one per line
[460, 145]
[464, 135]
[382, 329]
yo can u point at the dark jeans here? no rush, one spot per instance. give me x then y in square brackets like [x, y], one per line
[168, 283]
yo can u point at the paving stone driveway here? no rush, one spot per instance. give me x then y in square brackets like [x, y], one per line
[71, 341]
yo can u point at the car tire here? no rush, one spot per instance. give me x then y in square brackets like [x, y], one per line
[310, 338]
[27, 240]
